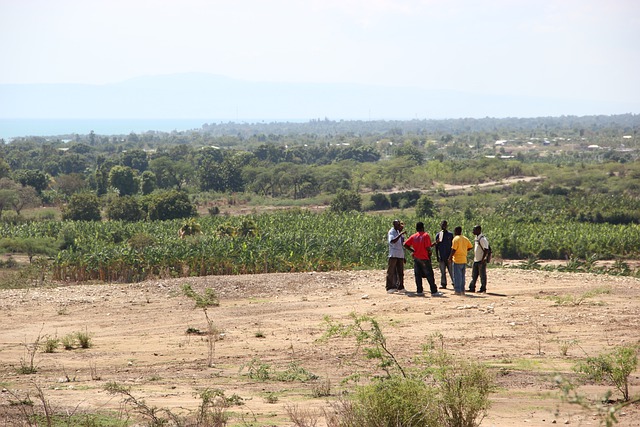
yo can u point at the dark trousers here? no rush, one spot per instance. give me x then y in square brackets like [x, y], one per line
[395, 273]
[444, 266]
[422, 268]
[479, 269]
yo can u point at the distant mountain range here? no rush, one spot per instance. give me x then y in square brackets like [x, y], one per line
[212, 97]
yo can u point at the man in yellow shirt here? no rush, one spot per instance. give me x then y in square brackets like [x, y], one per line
[459, 248]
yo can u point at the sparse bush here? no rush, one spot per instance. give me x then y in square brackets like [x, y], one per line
[84, 339]
[51, 344]
[213, 408]
[599, 408]
[565, 345]
[463, 390]
[207, 299]
[443, 391]
[271, 397]
[27, 362]
[321, 388]
[295, 372]
[257, 370]
[302, 417]
[156, 416]
[390, 402]
[615, 367]
[68, 341]
[204, 301]
[581, 299]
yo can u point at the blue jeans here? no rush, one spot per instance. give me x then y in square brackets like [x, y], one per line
[458, 277]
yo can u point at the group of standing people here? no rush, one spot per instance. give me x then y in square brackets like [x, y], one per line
[451, 252]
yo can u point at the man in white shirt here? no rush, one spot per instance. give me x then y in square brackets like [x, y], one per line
[480, 254]
[395, 266]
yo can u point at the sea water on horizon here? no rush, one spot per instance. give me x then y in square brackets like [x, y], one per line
[14, 128]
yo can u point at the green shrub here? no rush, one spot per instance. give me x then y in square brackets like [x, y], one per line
[392, 402]
[295, 372]
[82, 207]
[207, 299]
[615, 367]
[51, 344]
[380, 202]
[140, 241]
[125, 208]
[84, 339]
[170, 204]
[463, 391]
[346, 201]
[425, 207]
[442, 390]
[257, 370]
[68, 341]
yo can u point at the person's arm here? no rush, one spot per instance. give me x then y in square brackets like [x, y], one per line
[408, 245]
[395, 239]
[485, 251]
[453, 251]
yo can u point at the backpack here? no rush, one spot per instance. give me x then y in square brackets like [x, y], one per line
[489, 253]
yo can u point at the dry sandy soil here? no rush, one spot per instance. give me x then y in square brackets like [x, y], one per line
[139, 340]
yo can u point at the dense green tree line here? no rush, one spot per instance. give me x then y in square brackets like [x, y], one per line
[376, 160]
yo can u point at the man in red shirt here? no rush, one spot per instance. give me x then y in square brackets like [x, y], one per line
[419, 244]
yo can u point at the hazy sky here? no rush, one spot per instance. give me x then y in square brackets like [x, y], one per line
[586, 49]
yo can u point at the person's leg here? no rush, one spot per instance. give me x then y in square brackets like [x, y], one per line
[418, 269]
[392, 273]
[474, 277]
[450, 268]
[458, 278]
[483, 276]
[443, 274]
[400, 272]
[431, 280]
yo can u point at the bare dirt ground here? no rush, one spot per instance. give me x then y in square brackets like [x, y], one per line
[139, 340]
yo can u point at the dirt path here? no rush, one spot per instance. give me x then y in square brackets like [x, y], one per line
[490, 184]
[139, 339]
